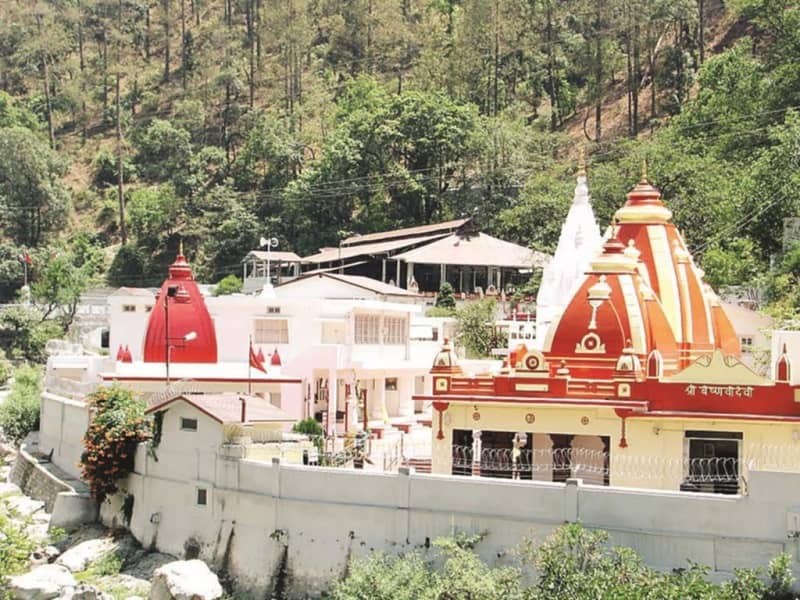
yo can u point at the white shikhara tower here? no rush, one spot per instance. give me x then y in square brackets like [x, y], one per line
[578, 244]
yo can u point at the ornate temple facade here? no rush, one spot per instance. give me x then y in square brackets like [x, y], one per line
[638, 381]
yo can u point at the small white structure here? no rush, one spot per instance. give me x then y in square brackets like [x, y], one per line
[578, 243]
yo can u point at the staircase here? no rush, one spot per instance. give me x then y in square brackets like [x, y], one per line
[421, 465]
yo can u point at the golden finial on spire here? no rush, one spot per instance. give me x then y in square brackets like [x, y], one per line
[644, 169]
[180, 247]
[581, 161]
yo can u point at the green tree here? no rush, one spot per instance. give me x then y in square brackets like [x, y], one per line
[474, 327]
[32, 194]
[19, 413]
[445, 298]
[162, 150]
[24, 333]
[63, 274]
[230, 284]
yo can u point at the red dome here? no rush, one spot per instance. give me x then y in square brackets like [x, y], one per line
[187, 314]
[613, 313]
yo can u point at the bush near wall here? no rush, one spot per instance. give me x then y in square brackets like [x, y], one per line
[118, 425]
[573, 563]
[19, 414]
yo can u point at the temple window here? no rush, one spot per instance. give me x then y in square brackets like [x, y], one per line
[128, 308]
[746, 342]
[202, 497]
[712, 462]
[391, 384]
[367, 329]
[271, 331]
[394, 330]
[188, 424]
[273, 310]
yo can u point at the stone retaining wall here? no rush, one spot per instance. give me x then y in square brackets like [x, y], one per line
[35, 481]
[67, 501]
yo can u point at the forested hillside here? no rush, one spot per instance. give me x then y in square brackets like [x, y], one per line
[126, 125]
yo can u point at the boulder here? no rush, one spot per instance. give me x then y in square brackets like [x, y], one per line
[84, 591]
[9, 489]
[24, 506]
[185, 580]
[43, 583]
[44, 555]
[144, 567]
[78, 558]
[126, 585]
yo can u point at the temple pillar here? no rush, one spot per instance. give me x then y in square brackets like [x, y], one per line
[383, 270]
[409, 274]
[442, 274]
[405, 389]
[588, 460]
[542, 457]
[377, 408]
[333, 400]
[476, 452]
[397, 279]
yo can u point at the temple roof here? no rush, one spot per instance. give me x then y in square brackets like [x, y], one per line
[439, 228]
[477, 250]
[336, 254]
[187, 314]
[272, 255]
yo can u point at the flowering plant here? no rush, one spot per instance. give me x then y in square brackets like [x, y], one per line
[118, 425]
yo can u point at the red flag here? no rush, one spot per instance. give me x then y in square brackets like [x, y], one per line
[261, 356]
[28, 258]
[120, 353]
[254, 362]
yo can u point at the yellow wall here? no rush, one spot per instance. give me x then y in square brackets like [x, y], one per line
[655, 452]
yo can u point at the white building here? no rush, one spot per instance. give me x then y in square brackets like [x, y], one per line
[345, 349]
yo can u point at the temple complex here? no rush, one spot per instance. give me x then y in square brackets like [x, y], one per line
[639, 380]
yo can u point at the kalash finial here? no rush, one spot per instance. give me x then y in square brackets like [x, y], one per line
[644, 170]
[581, 161]
[180, 247]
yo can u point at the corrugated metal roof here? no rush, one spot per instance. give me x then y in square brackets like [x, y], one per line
[476, 250]
[444, 227]
[277, 256]
[336, 254]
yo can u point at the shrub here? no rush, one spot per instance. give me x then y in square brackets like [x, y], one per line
[230, 284]
[309, 426]
[15, 548]
[117, 427]
[5, 369]
[19, 414]
[445, 298]
[475, 320]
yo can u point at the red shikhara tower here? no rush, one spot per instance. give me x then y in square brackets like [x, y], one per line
[643, 293]
[187, 313]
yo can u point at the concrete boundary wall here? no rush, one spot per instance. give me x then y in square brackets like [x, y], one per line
[263, 521]
[63, 423]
